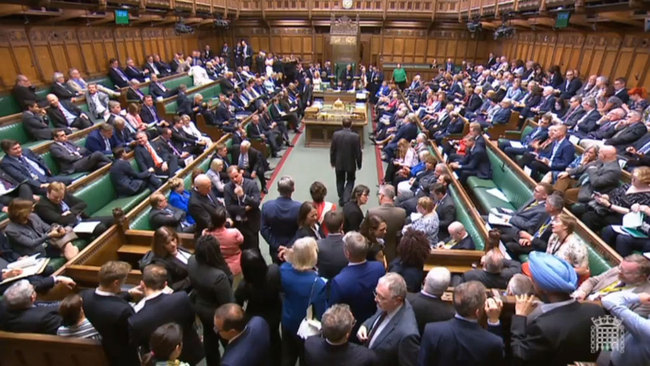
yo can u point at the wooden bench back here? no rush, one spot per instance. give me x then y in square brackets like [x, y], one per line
[27, 349]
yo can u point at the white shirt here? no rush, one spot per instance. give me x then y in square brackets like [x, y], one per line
[139, 306]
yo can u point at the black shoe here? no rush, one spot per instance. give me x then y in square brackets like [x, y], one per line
[289, 144]
[265, 191]
[296, 130]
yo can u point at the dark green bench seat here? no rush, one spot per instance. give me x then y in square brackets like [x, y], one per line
[9, 105]
[101, 198]
[208, 93]
[56, 263]
[463, 216]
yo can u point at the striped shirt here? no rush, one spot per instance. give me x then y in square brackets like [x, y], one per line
[83, 330]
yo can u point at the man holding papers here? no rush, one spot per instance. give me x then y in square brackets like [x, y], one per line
[528, 218]
[57, 207]
[513, 148]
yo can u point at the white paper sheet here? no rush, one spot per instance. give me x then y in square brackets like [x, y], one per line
[497, 220]
[632, 220]
[516, 144]
[86, 227]
[30, 266]
[527, 170]
[574, 139]
[497, 193]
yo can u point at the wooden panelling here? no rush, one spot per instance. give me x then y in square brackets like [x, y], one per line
[602, 53]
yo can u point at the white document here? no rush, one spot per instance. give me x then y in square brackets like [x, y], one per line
[497, 220]
[188, 160]
[29, 266]
[86, 227]
[632, 220]
[497, 193]
[516, 144]
[504, 251]
[527, 170]
[455, 175]
[622, 163]
[444, 157]
[574, 139]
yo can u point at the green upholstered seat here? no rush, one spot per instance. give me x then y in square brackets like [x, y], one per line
[141, 222]
[176, 82]
[463, 215]
[8, 105]
[56, 263]
[210, 92]
[104, 81]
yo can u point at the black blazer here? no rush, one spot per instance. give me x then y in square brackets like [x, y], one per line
[37, 127]
[164, 309]
[127, 181]
[200, 207]
[23, 94]
[110, 315]
[62, 91]
[177, 277]
[211, 289]
[19, 172]
[256, 161]
[353, 216]
[148, 116]
[52, 214]
[429, 309]
[65, 158]
[251, 347]
[331, 259]
[345, 151]
[160, 90]
[318, 352]
[446, 210]
[183, 104]
[144, 159]
[134, 73]
[57, 117]
[38, 319]
[467, 243]
[494, 280]
[117, 78]
[237, 208]
[171, 217]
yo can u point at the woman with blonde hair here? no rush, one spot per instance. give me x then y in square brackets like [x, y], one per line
[133, 117]
[405, 156]
[302, 288]
[180, 198]
[215, 174]
[427, 223]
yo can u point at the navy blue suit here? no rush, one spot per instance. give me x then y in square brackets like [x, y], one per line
[95, 142]
[502, 116]
[567, 91]
[546, 104]
[20, 173]
[563, 157]
[252, 346]
[587, 123]
[354, 286]
[475, 163]
[459, 342]
[408, 131]
[279, 223]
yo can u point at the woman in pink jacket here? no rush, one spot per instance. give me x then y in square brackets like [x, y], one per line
[230, 241]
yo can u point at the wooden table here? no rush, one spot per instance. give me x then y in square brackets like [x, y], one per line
[330, 96]
[318, 133]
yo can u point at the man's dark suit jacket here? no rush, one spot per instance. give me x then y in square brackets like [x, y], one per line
[476, 163]
[318, 352]
[251, 348]
[147, 115]
[494, 280]
[354, 286]
[144, 159]
[429, 308]
[626, 136]
[133, 94]
[557, 337]
[109, 315]
[256, 162]
[183, 104]
[571, 117]
[467, 243]
[237, 208]
[52, 213]
[200, 207]
[345, 151]
[134, 73]
[62, 91]
[171, 217]
[446, 210]
[331, 259]
[162, 309]
[156, 91]
[563, 157]
[279, 221]
[459, 342]
[36, 319]
[529, 217]
[23, 94]
[116, 77]
[37, 127]
[19, 172]
[122, 138]
[227, 87]
[353, 216]
[588, 121]
[398, 343]
[502, 116]
[546, 104]
[95, 142]
[566, 92]
[65, 158]
[127, 181]
[56, 116]
[622, 95]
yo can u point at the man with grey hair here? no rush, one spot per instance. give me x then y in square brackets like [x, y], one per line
[355, 283]
[21, 316]
[394, 218]
[587, 123]
[253, 163]
[393, 331]
[202, 203]
[98, 102]
[333, 347]
[64, 114]
[520, 284]
[496, 270]
[538, 240]
[62, 90]
[461, 340]
[279, 218]
[427, 304]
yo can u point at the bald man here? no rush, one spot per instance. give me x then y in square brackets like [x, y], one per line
[202, 203]
[601, 177]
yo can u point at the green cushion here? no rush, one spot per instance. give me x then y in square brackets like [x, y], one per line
[15, 131]
[176, 82]
[8, 105]
[125, 203]
[3, 216]
[56, 263]
[488, 201]
[105, 81]
[100, 194]
[508, 182]
[210, 92]
[463, 215]
[476, 182]
[141, 222]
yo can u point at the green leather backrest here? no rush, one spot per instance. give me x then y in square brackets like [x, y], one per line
[105, 81]
[8, 105]
[176, 82]
[208, 93]
[527, 131]
[462, 215]
[508, 182]
[100, 192]
[141, 222]
[597, 264]
[14, 131]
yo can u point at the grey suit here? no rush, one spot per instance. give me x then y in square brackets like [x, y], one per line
[92, 104]
[170, 216]
[398, 343]
[394, 217]
[37, 127]
[529, 217]
[331, 259]
[602, 177]
[73, 159]
[345, 157]
[28, 239]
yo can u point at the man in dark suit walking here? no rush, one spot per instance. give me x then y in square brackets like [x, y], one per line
[427, 304]
[249, 343]
[202, 203]
[331, 256]
[158, 308]
[242, 198]
[253, 163]
[72, 158]
[393, 331]
[107, 308]
[345, 158]
[333, 348]
[461, 340]
[280, 218]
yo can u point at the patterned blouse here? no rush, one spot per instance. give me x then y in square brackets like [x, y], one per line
[427, 225]
[571, 250]
[620, 197]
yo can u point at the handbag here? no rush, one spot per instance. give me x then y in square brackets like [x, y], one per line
[309, 326]
[62, 241]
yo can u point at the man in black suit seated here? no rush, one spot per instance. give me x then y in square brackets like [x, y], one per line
[23, 165]
[19, 315]
[495, 272]
[36, 122]
[475, 163]
[62, 90]
[133, 72]
[258, 129]
[223, 117]
[345, 158]
[158, 90]
[72, 158]
[164, 68]
[459, 238]
[59, 207]
[167, 143]
[461, 340]
[126, 180]
[116, 74]
[123, 135]
[133, 93]
[163, 214]
[24, 91]
[158, 308]
[331, 258]
[10, 189]
[574, 113]
[63, 114]
[107, 308]
[249, 342]
[242, 199]
[333, 348]
[570, 85]
[529, 217]
[587, 123]
[253, 163]
[150, 115]
[557, 331]
[151, 156]
[445, 208]
[183, 141]
[202, 203]
[427, 304]
[526, 242]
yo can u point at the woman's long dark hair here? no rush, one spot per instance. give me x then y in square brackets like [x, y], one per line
[414, 248]
[162, 343]
[253, 268]
[208, 252]
[369, 226]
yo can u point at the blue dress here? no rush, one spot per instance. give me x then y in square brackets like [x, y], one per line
[181, 201]
[297, 288]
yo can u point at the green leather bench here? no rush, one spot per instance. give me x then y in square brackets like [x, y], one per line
[56, 263]
[101, 198]
[54, 166]
[211, 92]
[463, 216]
[9, 105]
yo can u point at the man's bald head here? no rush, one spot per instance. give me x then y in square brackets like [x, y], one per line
[607, 153]
[202, 184]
